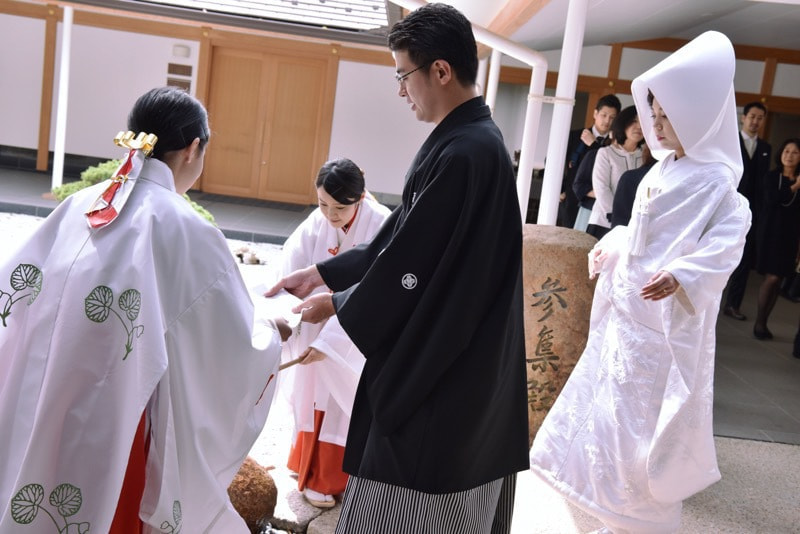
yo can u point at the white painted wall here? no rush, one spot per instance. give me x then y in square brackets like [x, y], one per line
[787, 80]
[373, 126]
[21, 44]
[109, 70]
[748, 76]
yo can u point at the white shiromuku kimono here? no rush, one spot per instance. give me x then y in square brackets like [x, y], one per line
[630, 435]
[328, 385]
[148, 315]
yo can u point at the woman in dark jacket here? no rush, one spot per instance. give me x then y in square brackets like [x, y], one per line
[778, 230]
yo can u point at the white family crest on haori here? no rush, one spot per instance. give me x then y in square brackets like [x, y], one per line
[409, 281]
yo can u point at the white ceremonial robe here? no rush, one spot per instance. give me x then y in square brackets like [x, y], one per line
[328, 385]
[630, 436]
[147, 315]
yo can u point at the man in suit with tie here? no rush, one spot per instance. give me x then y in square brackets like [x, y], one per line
[580, 142]
[756, 156]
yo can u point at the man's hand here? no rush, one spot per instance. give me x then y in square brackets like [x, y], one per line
[300, 283]
[587, 137]
[317, 308]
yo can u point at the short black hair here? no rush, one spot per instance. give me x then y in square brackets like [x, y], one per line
[751, 105]
[778, 163]
[608, 101]
[624, 118]
[171, 114]
[342, 179]
[438, 31]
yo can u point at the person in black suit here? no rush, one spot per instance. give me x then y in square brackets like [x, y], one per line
[756, 155]
[581, 142]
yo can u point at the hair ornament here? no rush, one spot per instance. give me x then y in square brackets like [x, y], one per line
[109, 204]
[144, 141]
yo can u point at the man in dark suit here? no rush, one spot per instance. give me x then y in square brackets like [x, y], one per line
[756, 157]
[579, 143]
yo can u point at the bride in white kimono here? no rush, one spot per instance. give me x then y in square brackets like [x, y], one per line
[630, 436]
[321, 390]
[134, 378]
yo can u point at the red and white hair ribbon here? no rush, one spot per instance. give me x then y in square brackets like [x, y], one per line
[109, 204]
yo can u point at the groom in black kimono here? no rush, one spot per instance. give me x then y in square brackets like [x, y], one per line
[439, 427]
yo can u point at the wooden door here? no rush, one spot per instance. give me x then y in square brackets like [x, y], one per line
[271, 114]
[291, 154]
[237, 110]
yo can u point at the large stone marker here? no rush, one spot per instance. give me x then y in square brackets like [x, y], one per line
[557, 300]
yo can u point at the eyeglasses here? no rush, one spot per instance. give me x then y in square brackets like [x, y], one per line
[401, 78]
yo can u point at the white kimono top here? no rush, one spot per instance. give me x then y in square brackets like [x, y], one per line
[630, 435]
[328, 385]
[147, 315]
[610, 163]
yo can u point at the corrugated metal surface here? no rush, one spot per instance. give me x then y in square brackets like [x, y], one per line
[347, 14]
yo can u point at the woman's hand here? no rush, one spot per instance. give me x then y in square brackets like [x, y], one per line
[300, 283]
[311, 355]
[597, 256]
[661, 285]
[283, 328]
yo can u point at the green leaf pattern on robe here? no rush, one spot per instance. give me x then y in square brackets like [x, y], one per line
[99, 305]
[66, 499]
[25, 276]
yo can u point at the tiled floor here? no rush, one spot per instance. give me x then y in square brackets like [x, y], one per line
[757, 389]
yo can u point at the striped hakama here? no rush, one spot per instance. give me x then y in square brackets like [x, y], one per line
[371, 507]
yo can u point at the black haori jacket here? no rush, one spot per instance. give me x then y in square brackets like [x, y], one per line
[435, 304]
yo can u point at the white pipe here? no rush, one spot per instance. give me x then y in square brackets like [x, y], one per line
[562, 112]
[483, 70]
[534, 110]
[494, 79]
[63, 93]
[529, 137]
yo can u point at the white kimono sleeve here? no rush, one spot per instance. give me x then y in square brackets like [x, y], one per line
[704, 272]
[342, 366]
[209, 408]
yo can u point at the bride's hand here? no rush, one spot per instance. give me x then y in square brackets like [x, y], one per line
[597, 256]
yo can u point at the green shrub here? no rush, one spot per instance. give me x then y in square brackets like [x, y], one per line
[204, 213]
[103, 171]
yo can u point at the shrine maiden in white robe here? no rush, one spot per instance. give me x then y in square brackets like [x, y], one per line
[148, 314]
[630, 436]
[328, 385]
